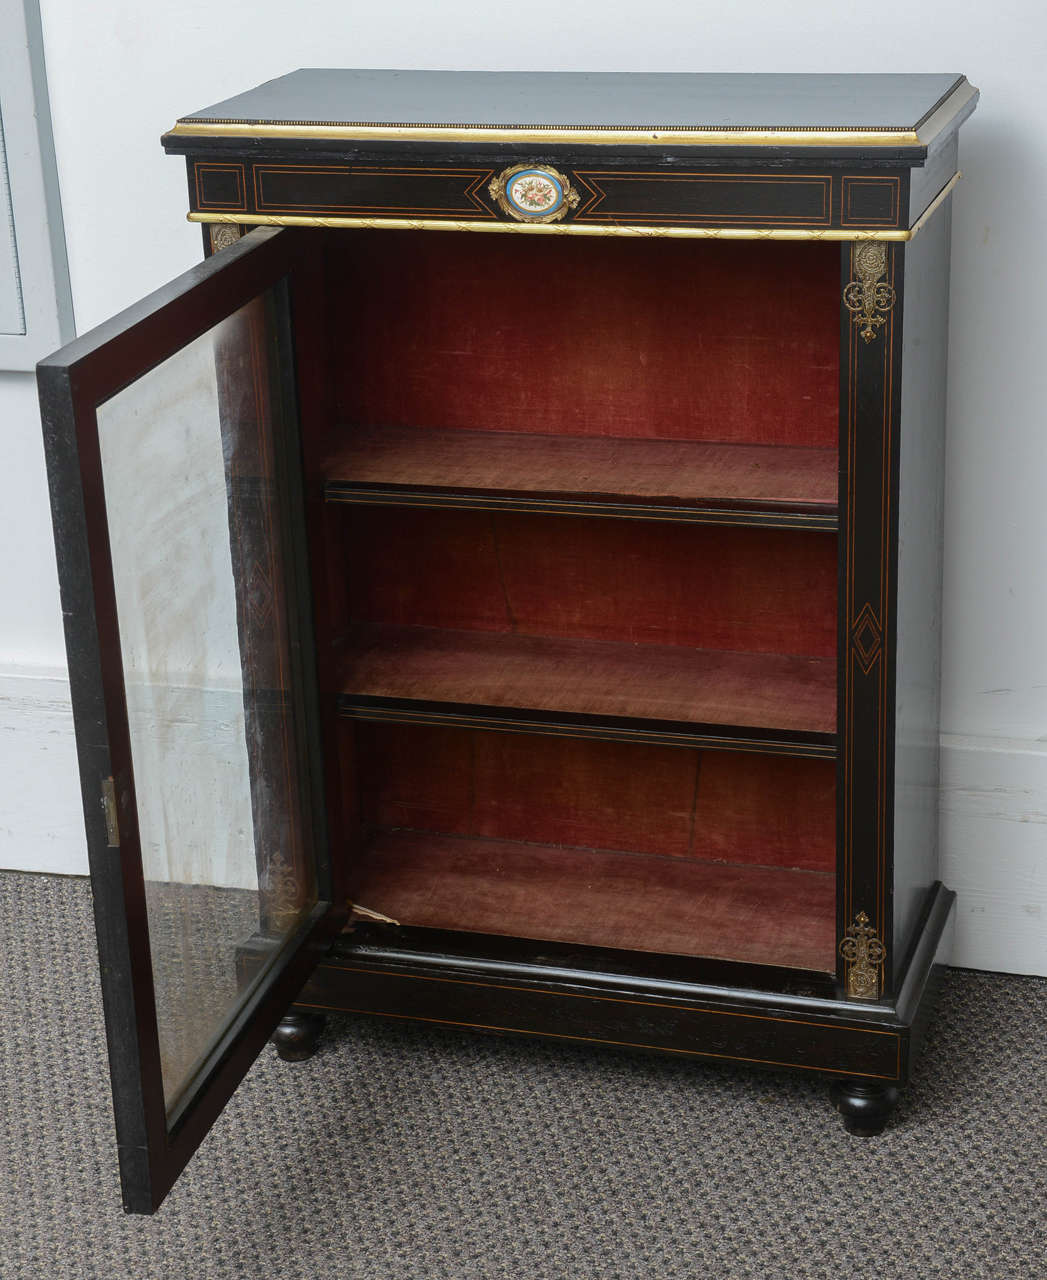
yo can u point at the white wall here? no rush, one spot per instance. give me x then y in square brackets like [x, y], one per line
[121, 72]
[41, 823]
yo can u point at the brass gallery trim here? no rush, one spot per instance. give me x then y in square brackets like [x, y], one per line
[674, 135]
[548, 228]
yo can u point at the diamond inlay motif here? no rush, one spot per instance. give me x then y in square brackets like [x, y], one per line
[259, 594]
[866, 638]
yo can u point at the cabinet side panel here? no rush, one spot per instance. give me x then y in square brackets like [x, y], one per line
[919, 573]
[942, 163]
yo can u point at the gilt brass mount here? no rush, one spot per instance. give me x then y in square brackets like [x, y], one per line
[533, 194]
[869, 296]
[223, 235]
[865, 954]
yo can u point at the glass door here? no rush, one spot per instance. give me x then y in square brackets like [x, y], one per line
[175, 475]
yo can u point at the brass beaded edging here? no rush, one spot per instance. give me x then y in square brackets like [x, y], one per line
[741, 136]
[578, 229]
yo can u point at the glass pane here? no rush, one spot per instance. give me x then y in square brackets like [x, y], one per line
[195, 517]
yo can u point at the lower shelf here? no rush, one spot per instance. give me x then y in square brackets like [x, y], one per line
[627, 901]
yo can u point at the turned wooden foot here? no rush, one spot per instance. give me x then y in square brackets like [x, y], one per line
[865, 1105]
[297, 1035]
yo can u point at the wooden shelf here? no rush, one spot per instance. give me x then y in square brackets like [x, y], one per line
[778, 485]
[627, 692]
[630, 901]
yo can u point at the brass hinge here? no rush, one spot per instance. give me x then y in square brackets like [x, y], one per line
[112, 824]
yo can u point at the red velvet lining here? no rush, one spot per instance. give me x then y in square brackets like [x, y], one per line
[684, 472]
[757, 915]
[591, 677]
[641, 582]
[736, 807]
[614, 844]
[661, 339]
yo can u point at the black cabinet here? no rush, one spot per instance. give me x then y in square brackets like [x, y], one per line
[501, 585]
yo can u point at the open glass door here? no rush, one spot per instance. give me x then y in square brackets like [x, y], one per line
[175, 474]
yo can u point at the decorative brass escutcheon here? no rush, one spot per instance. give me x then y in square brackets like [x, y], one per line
[865, 954]
[223, 235]
[869, 296]
[284, 892]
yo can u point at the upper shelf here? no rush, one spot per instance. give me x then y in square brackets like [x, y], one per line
[776, 485]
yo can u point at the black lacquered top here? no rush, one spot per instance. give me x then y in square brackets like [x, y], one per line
[633, 102]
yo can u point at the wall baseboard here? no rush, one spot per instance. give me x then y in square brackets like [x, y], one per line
[41, 816]
[994, 850]
[994, 821]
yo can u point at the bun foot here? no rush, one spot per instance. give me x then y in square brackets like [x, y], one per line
[865, 1105]
[297, 1035]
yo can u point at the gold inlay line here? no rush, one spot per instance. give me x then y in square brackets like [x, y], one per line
[740, 137]
[578, 229]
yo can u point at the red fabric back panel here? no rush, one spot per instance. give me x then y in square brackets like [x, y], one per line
[770, 810]
[661, 339]
[641, 582]
[733, 807]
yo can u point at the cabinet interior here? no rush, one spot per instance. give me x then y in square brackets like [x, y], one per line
[573, 517]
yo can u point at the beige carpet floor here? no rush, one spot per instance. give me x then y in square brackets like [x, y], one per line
[408, 1153]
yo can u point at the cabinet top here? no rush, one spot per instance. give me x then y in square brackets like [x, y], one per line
[834, 111]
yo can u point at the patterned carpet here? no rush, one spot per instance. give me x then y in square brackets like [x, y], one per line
[404, 1153]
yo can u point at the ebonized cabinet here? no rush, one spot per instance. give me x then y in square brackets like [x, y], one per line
[536, 630]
